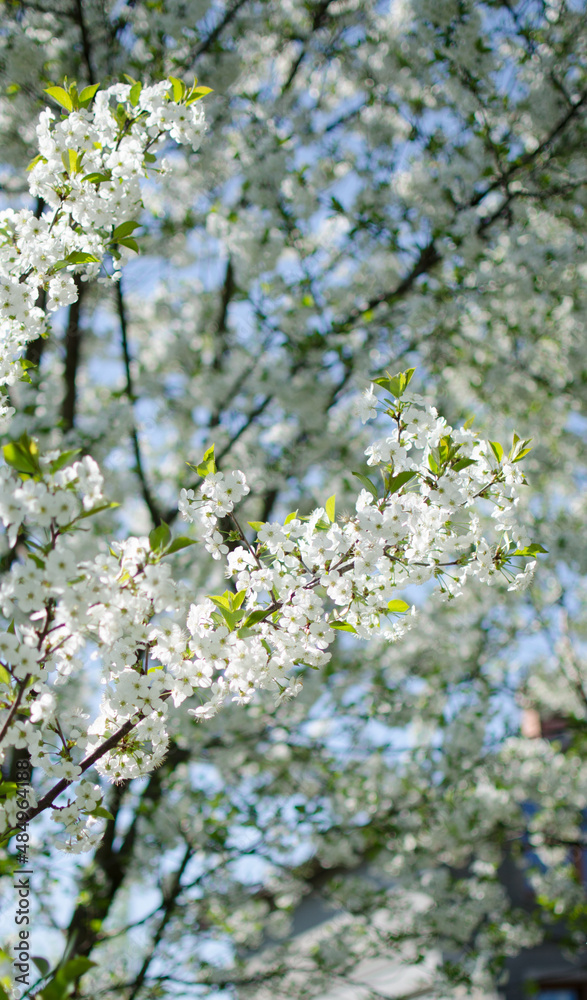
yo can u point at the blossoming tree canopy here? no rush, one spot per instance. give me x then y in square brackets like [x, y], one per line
[382, 186]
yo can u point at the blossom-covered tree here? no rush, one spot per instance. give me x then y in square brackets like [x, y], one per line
[268, 312]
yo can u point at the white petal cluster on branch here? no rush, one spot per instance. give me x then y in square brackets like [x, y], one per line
[88, 173]
[297, 584]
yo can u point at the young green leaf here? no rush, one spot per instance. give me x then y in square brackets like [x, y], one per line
[22, 455]
[398, 607]
[395, 483]
[41, 963]
[366, 483]
[96, 178]
[178, 87]
[496, 449]
[135, 93]
[180, 543]
[100, 813]
[330, 508]
[124, 229]
[87, 95]
[63, 459]
[256, 616]
[159, 537]
[127, 241]
[61, 97]
[197, 93]
[207, 467]
[529, 550]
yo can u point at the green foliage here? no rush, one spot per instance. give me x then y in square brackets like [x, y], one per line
[23, 456]
[65, 978]
[395, 384]
[207, 466]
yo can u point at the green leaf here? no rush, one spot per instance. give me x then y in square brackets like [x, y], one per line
[76, 257]
[97, 510]
[124, 229]
[395, 483]
[464, 463]
[67, 974]
[37, 560]
[395, 384]
[469, 422]
[100, 813]
[76, 968]
[87, 95]
[433, 464]
[64, 459]
[342, 627]
[496, 449]
[256, 525]
[127, 241]
[96, 178]
[22, 455]
[197, 93]
[38, 159]
[290, 517]
[179, 88]
[529, 550]
[150, 158]
[72, 161]
[180, 543]
[366, 483]
[41, 963]
[232, 618]
[221, 601]
[257, 616]
[135, 93]
[159, 537]
[4, 676]
[61, 97]
[330, 508]
[239, 598]
[207, 466]
[398, 607]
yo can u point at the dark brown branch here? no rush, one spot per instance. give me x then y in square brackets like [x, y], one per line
[86, 48]
[320, 13]
[34, 348]
[105, 876]
[47, 800]
[73, 336]
[139, 469]
[228, 290]
[208, 42]
[170, 902]
[528, 158]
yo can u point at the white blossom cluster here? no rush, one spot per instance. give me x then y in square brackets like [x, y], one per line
[297, 584]
[88, 174]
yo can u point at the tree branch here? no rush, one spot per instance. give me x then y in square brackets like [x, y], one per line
[139, 469]
[73, 337]
[170, 902]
